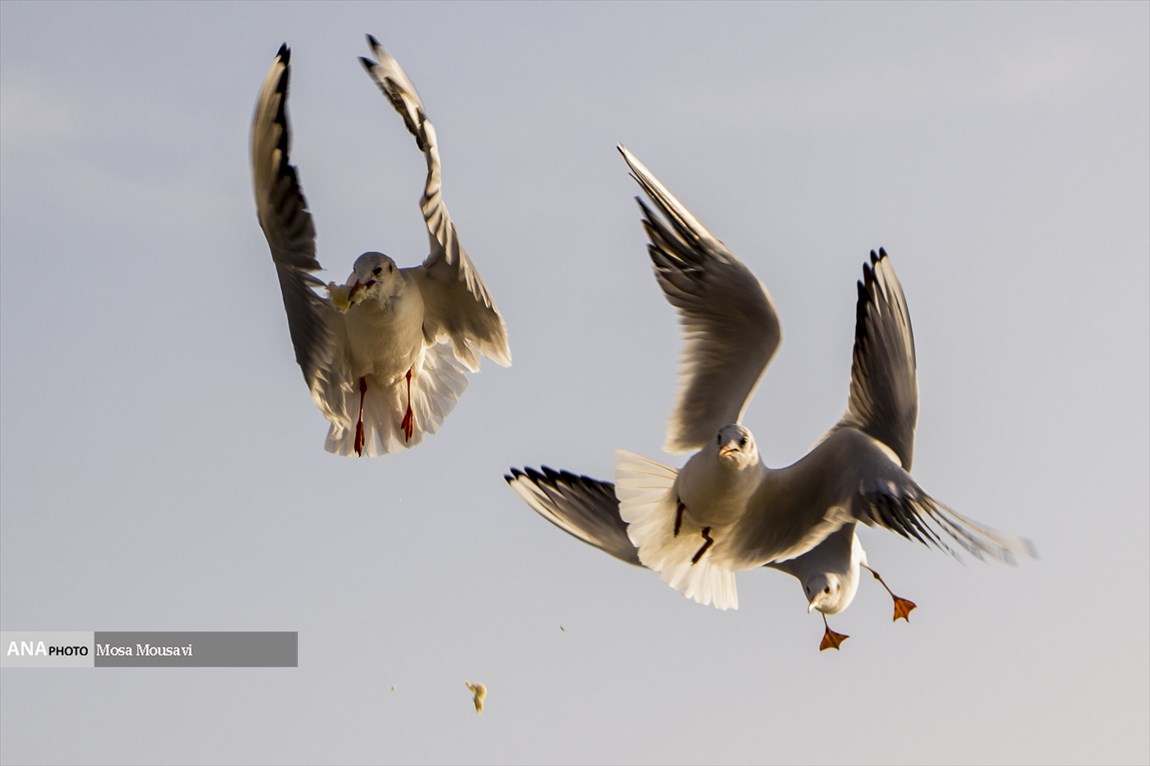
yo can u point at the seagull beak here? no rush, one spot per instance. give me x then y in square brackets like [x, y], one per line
[810, 607]
[729, 449]
[357, 287]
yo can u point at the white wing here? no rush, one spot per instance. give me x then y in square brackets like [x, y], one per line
[457, 304]
[853, 477]
[884, 385]
[290, 233]
[582, 507]
[729, 322]
[588, 510]
[890, 498]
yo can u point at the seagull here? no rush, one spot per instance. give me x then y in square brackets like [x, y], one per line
[385, 353]
[588, 510]
[724, 511]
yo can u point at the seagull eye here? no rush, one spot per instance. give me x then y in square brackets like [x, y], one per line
[377, 270]
[719, 440]
[827, 589]
[390, 267]
[743, 442]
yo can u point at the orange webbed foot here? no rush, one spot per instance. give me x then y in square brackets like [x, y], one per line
[902, 608]
[831, 640]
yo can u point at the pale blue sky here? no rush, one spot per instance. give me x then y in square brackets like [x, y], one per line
[163, 466]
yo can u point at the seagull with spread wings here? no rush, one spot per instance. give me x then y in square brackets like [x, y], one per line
[384, 354]
[724, 511]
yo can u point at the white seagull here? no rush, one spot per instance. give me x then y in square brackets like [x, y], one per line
[384, 354]
[588, 509]
[725, 511]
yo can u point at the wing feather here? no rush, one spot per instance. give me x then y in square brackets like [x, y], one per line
[290, 232]
[582, 507]
[458, 306]
[896, 503]
[730, 326]
[883, 399]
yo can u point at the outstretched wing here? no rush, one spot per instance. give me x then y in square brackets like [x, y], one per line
[730, 327]
[457, 304]
[288, 227]
[584, 508]
[853, 477]
[884, 384]
[896, 502]
[581, 506]
[884, 405]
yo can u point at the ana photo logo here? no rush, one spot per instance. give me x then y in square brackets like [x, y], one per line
[43, 649]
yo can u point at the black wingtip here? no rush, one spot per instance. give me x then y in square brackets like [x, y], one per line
[517, 474]
[554, 475]
[284, 53]
[372, 41]
[368, 64]
[865, 298]
[547, 475]
[879, 257]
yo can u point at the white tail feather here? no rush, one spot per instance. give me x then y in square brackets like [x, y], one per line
[647, 503]
[435, 389]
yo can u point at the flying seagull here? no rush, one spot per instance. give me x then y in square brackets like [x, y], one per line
[588, 510]
[724, 511]
[385, 353]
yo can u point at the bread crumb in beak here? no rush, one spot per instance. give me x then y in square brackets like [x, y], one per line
[340, 296]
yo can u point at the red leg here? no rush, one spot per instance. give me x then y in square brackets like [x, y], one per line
[902, 606]
[408, 423]
[831, 640]
[359, 424]
[710, 541]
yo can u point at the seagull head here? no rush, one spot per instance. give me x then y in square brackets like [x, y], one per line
[830, 592]
[374, 275]
[736, 446]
